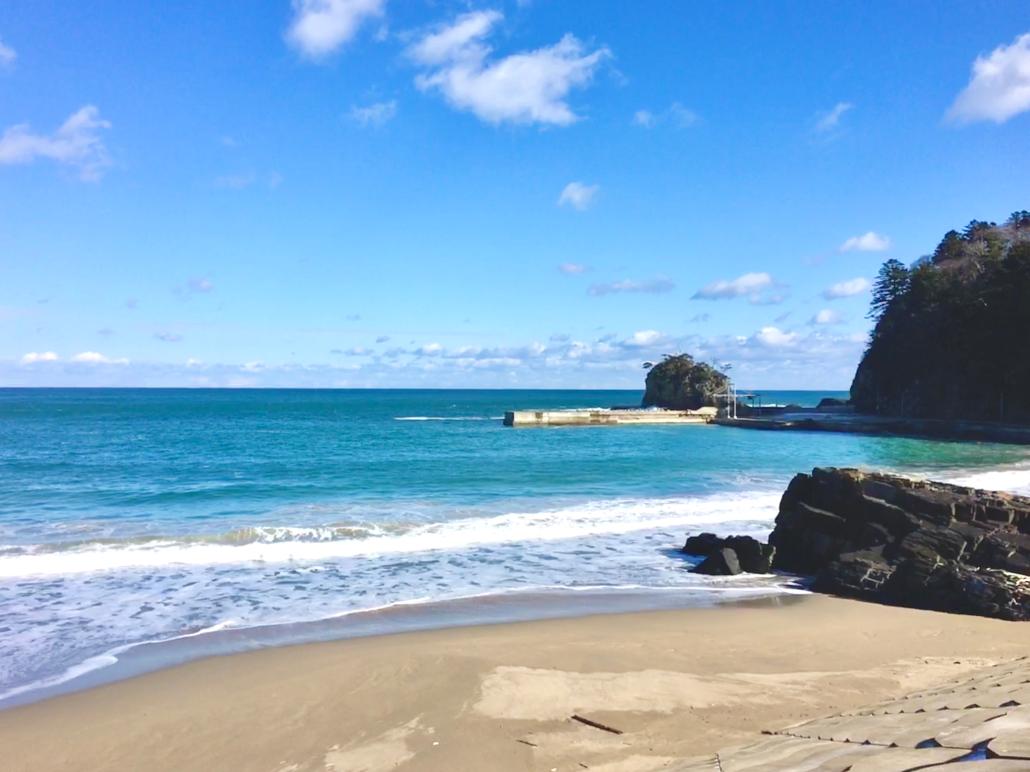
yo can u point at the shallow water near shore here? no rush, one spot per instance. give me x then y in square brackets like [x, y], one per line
[229, 517]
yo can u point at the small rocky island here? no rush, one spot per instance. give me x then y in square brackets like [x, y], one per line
[894, 540]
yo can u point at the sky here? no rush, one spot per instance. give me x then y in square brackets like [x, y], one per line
[376, 193]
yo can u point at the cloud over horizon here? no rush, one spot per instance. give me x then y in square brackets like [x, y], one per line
[654, 286]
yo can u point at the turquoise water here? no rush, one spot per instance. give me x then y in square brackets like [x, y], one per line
[144, 515]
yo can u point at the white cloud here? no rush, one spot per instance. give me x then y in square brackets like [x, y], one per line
[76, 143]
[322, 27]
[96, 358]
[846, 289]
[199, 284]
[644, 118]
[192, 362]
[39, 356]
[644, 338]
[7, 55]
[867, 242]
[375, 114]
[572, 269]
[526, 87]
[677, 115]
[578, 195]
[829, 120]
[650, 286]
[774, 337]
[826, 316]
[236, 181]
[999, 87]
[750, 285]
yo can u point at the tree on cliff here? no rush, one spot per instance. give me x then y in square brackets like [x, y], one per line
[680, 383]
[952, 333]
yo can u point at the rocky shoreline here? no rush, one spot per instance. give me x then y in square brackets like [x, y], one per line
[894, 540]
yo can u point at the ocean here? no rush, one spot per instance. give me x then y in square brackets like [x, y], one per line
[142, 527]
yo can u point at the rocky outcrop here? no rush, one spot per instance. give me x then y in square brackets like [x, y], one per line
[732, 555]
[949, 340]
[680, 383]
[909, 542]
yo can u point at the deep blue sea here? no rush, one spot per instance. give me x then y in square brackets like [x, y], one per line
[132, 516]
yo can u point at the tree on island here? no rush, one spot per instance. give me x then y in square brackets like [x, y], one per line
[679, 382]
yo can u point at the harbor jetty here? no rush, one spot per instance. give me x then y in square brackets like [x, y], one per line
[608, 417]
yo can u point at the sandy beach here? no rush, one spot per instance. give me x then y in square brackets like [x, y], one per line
[501, 697]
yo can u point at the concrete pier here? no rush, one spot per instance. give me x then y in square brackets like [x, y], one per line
[606, 417]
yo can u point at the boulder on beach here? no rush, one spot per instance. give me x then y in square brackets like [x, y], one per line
[730, 555]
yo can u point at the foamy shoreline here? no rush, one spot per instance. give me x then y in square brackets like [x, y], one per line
[677, 684]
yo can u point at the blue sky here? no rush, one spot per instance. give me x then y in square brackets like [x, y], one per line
[385, 193]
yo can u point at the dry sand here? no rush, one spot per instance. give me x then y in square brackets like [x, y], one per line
[677, 683]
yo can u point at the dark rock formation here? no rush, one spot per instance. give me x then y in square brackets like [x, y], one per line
[731, 555]
[680, 383]
[950, 336]
[721, 562]
[908, 542]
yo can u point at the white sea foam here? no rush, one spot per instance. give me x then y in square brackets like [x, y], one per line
[1010, 480]
[285, 544]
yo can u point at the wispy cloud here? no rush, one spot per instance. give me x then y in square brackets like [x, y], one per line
[236, 181]
[846, 289]
[675, 115]
[96, 358]
[578, 195]
[753, 286]
[195, 285]
[526, 87]
[323, 27]
[999, 87]
[654, 286]
[830, 120]
[374, 115]
[7, 54]
[572, 269]
[33, 357]
[826, 316]
[867, 242]
[168, 337]
[76, 143]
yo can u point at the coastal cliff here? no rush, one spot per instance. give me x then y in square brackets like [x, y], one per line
[952, 332]
[893, 540]
[907, 542]
[679, 382]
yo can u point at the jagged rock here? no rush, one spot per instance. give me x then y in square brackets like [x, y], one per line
[722, 562]
[702, 544]
[909, 542]
[752, 556]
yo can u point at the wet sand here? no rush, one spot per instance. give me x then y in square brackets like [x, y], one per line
[677, 684]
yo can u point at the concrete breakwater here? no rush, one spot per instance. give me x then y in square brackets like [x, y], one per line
[607, 417]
